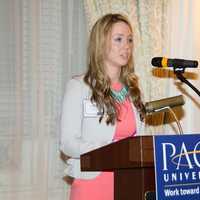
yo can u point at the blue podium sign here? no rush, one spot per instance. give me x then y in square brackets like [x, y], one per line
[177, 167]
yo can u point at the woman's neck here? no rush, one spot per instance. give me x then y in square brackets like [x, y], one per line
[114, 75]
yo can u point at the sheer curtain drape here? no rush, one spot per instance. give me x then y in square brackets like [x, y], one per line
[41, 47]
[43, 44]
[74, 38]
[184, 42]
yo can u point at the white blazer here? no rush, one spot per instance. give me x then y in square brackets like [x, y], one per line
[80, 128]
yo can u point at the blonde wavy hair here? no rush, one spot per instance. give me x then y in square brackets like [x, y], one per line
[96, 77]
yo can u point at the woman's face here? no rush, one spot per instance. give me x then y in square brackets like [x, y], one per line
[119, 47]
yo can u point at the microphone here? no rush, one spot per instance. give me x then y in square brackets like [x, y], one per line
[175, 63]
[159, 105]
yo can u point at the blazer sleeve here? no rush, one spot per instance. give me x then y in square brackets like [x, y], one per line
[72, 143]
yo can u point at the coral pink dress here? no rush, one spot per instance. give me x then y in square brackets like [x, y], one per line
[102, 187]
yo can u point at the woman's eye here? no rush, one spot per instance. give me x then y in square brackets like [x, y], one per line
[119, 39]
[130, 40]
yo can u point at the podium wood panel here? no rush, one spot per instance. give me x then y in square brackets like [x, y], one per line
[132, 162]
[133, 184]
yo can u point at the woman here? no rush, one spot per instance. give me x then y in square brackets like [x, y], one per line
[102, 106]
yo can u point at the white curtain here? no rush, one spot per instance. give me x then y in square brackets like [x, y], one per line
[74, 38]
[42, 45]
[184, 42]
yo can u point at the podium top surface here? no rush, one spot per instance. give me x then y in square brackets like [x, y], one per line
[131, 152]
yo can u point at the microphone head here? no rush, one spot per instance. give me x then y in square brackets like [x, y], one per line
[159, 105]
[195, 63]
[157, 61]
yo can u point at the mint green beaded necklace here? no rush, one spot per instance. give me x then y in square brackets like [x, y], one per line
[121, 95]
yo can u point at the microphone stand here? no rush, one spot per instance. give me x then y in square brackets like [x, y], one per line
[177, 121]
[178, 71]
[174, 115]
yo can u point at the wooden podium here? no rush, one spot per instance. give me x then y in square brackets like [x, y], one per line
[132, 162]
